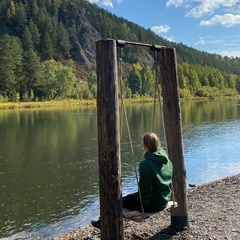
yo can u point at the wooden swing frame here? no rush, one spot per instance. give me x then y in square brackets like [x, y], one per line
[109, 137]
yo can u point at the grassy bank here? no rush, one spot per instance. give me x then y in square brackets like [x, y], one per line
[61, 103]
[71, 102]
[46, 104]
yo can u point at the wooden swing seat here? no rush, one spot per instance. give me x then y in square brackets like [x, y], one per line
[171, 204]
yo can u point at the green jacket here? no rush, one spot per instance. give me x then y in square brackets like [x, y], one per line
[155, 180]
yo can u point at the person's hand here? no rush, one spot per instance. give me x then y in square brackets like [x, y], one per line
[133, 214]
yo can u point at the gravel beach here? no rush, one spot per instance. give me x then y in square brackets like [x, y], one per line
[213, 211]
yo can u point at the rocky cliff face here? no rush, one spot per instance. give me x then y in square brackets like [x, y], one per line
[82, 36]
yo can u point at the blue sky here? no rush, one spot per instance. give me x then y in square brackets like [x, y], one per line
[207, 25]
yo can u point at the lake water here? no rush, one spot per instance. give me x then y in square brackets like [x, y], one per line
[49, 163]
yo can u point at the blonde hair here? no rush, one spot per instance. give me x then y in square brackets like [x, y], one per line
[151, 141]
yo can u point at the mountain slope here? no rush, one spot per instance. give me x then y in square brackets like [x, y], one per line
[47, 51]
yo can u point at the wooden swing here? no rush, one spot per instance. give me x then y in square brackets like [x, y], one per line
[170, 205]
[109, 136]
[173, 203]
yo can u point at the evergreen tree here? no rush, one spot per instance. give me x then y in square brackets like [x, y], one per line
[27, 40]
[55, 4]
[63, 41]
[35, 35]
[46, 47]
[54, 35]
[34, 9]
[20, 17]
[11, 60]
[32, 73]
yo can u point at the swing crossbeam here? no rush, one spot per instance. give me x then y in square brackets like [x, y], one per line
[153, 47]
[171, 204]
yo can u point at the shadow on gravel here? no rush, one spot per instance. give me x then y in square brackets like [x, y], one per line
[164, 234]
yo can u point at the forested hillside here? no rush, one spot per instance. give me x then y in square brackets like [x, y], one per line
[47, 51]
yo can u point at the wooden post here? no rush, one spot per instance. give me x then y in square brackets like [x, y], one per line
[173, 128]
[109, 141]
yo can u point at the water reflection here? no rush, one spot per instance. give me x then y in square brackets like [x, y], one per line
[46, 167]
[211, 150]
[49, 161]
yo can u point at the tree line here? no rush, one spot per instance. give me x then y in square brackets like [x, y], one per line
[23, 77]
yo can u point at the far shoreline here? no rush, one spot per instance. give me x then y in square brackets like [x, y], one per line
[73, 102]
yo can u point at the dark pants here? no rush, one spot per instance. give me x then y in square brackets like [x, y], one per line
[130, 202]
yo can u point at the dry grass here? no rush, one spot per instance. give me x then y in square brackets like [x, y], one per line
[47, 104]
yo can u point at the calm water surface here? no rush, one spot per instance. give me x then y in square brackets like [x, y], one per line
[49, 164]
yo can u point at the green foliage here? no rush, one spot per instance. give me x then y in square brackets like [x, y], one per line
[57, 80]
[32, 73]
[82, 91]
[16, 97]
[208, 91]
[11, 61]
[3, 99]
[135, 81]
[184, 93]
[34, 34]
[238, 84]
[148, 82]
[27, 39]
[38, 37]
[46, 47]
[229, 92]
[92, 84]
[63, 42]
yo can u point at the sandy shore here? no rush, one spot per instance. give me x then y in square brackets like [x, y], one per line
[213, 211]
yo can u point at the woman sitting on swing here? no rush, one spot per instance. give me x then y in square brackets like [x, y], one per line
[155, 181]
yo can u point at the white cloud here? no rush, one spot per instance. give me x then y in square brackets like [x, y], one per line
[200, 42]
[106, 3]
[202, 9]
[225, 45]
[160, 29]
[93, 1]
[230, 53]
[175, 3]
[170, 39]
[199, 8]
[163, 29]
[227, 20]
